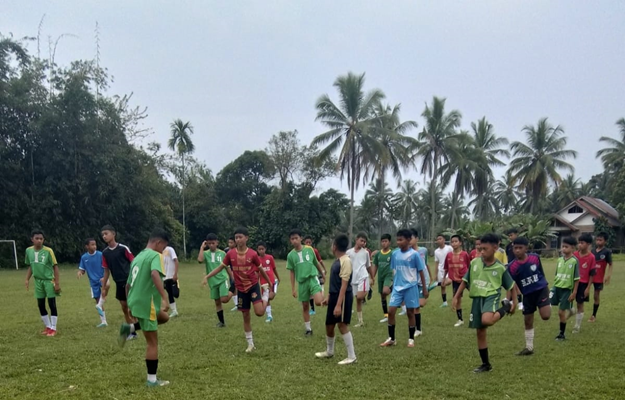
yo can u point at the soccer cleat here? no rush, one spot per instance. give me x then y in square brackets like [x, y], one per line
[507, 305]
[560, 337]
[312, 312]
[370, 294]
[102, 325]
[234, 308]
[132, 336]
[124, 333]
[418, 333]
[269, 319]
[157, 383]
[576, 329]
[308, 333]
[51, 333]
[459, 323]
[388, 343]
[402, 312]
[592, 319]
[173, 314]
[220, 325]
[324, 354]
[444, 305]
[385, 319]
[432, 286]
[525, 352]
[250, 348]
[99, 310]
[410, 342]
[483, 368]
[359, 325]
[347, 361]
[45, 332]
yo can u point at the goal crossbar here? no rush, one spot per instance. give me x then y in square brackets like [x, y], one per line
[14, 250]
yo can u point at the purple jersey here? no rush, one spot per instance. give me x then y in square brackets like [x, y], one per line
[528, 275]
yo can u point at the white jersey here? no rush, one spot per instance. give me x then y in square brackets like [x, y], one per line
[440, 255]
[360, 262]
[169, 255]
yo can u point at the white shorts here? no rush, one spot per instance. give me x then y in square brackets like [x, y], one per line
[441, 275]
[362, 286]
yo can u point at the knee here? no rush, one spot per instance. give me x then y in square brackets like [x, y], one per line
[305, 306]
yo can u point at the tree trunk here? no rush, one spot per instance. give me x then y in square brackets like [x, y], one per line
[184, 225]
[433, 202]
[351, 209]
[380, 205]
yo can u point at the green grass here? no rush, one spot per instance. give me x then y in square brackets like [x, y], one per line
[202, 361]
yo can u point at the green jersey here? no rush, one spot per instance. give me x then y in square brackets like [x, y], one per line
[212, 261]
[567, 272]
[303, 263]
[41, 262]
[144, 300]
[383, 262]
[484, 281]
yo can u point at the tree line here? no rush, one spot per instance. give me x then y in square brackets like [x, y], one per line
[71, 160]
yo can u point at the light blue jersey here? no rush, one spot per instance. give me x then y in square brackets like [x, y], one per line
[423, 252]
[406, 265]
[92, 264]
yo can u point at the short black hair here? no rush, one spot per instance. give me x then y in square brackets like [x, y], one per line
[441, 235]
[458, 237]
[89, 240]
[521, 241]
[211, 237]
[242, 231]
[405, 233]
[490, 238]
[586, 237]
[415, 232]
[36, 232]
[512, 230]
[386, 236]
[570, 240]
[308, 237]
[602, 235]
[159, 234]
[108, 228]
[261, 244]
[341, 242]
[362, 235]
[295, 232]
[231, 238]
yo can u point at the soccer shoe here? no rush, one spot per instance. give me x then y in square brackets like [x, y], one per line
[418, 333]
[312, 312]
[308, 333]
[459, 323]
[483, 368]
[560, 337]
[444, 305]
[51, 333]
[173, 314]
[347, 361]
[402, 312]
[525, 352]
[124, 333]
[370, 294]
[592, 319]
[269, 319]
[234, 308]
[432, 286]
[385, 319]
[99, 310]
[157, 383]
[576, 329]
[102, 325]
[250, 348]
[45, 332]
[360, 325]
[507, 305]
[220, 325]
[132, 336]
[388, 343]
[410, 342]
[324, 354]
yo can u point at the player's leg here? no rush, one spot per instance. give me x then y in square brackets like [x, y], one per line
[410, 312]
[482, 346]
[170, 287]
[41, 303]
[490, 313]
[580, 299]
[442, 279]
[331, 321]
[396, 299]
[363, 288]
[219, 309]
[455, 287]
[257, 300]
[528, 319]
[598, 287]
[348, 339]
[96, 292]
[51, 295]
[150, 331]
[247, 328]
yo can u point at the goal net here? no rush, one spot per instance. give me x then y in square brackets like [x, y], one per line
[8, 254]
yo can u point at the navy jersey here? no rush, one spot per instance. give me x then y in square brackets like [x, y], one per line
[529, 274]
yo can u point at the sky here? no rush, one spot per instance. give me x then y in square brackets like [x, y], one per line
[242, 71]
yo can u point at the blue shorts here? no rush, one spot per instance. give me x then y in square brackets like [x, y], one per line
[408, 296]
[96, 289]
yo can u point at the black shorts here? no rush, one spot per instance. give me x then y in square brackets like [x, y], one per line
[581, 288]
[346, 312]
[171, 286]
[120, 291]
[535, 300]
[246, 299]
[456, 285]
[598, 286]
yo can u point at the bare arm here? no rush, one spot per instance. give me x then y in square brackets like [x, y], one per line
[57, 285]
[426, 293]
[339, 301]
[29, 274]
[158, 283]
[275, 272]
[458, 295]
[105, 279]
[213, 273]
[200, 255]
[574, 293]
[609, 274]
[293, 284]
[176, 264]
[266, 277]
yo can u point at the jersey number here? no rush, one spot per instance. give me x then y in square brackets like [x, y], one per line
[134, 272]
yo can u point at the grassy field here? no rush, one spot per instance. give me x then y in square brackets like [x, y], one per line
[202, 361]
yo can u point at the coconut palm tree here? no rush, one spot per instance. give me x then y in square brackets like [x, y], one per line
[536, 163]
[567, 192]
[508, 195]
[352, 132]
[454, 211]
[406, 202]
[436, 139]
[613, 156]
[180, 142]
[489, 147]
[382, 195]
[486, 206]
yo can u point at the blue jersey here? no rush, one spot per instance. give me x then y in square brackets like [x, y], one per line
[406, 265]
[423, 252]
[92, 264]
[528, 275]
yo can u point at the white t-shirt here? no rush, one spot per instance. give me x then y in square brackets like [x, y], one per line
[360, 263]
[169, 255]
[440, 254]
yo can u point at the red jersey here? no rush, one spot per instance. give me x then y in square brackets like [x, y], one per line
[244, 268]
[457, 265]
[603, 258]
[473, 255]
[586, 265]
[317, 254]
[269, 265]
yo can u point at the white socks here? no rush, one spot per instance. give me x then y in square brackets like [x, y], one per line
[101, 302]
[330, 345]
[403, 309]
[46, 320]
[307, 325]
[172, 307]
[349, 343]
[53, 322]
[103, 318]
[268, 310]
[236, 300]
[265, 296]
[151, 378]
[249, 338]
[360, 316]
[529, 339]
[578, 320]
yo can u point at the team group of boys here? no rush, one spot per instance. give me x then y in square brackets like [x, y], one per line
[147, 285]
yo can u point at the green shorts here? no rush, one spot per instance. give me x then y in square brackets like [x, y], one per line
[385, 280]
[148, 325]
[44, 288]
[560, 296]
[480, 306]
[220, 290]
[308, 288]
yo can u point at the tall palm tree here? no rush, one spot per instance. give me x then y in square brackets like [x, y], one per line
[352, 132]
[486, 206]
[406, 202]
[181, 143]
[382, 195]
[489, 147]
[463, 164]
[508, 196]
[436, 139]
[454, 210]
[613, 156]
[567, 192]
[537, 162]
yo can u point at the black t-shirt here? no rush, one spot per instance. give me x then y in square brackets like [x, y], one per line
[341, 266]
[118, 260]
[510, 252]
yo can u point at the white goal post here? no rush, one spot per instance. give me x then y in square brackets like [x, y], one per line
[14, 250]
